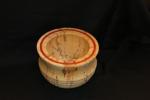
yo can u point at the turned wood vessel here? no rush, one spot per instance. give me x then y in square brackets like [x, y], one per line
[67, 57]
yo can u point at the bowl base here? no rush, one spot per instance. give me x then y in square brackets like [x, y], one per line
[75, 78]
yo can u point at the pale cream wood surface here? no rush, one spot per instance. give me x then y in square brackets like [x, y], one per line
[67, 57]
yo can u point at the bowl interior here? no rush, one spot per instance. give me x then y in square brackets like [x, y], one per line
[67, 47]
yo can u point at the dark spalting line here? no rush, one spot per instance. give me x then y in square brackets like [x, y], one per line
[64, 72]
[86, 77]
[56, 80]
[60, 52]
[56, 77]
[64, 37]
[76, 69]
[67, 71]
[77, 50]
[57, 42]
[58, 49]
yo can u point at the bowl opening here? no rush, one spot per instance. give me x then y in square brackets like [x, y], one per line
[67, 47]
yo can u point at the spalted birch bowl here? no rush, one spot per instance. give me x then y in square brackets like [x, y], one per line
[67, 57]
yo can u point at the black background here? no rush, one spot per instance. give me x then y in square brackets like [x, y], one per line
[120, 26]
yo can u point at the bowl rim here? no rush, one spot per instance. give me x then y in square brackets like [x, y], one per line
[84, 61]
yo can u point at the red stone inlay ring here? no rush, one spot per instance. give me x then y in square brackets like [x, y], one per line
[90, 55]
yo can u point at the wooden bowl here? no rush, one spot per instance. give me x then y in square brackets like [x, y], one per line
[67, 56]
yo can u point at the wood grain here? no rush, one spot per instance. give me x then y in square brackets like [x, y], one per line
[67, 57]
